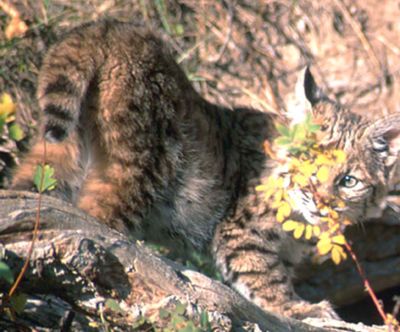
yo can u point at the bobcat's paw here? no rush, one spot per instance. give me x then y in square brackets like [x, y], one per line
[302, 310]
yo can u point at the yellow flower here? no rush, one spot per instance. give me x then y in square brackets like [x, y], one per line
[333, 214]
[267, 192]
[290, 225]
[7, 106]
[298, 232]
[339, 239]
[338, 254]
[295, 226]
[324, 244]
[272, 187]
[347, 222]
[309, 232]
[334, 228]
[276, 203]
[339, 155]
[307, 161]
[392, 321]
[341, 204]
[323, 159]
[262, 187]
[326, 219]
[283, 212]
[316, 231]
[307, 168]
[295, 163]
[300, 180]
[323, 174]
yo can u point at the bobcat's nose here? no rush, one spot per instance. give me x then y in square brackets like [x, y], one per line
[324, 195]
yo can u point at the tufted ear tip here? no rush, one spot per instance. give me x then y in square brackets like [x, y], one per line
[305, 96]
[307, 88]
[311, 90]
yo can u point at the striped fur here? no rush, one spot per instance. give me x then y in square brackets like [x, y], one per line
[134, 145]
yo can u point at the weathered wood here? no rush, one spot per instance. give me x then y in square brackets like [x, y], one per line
[78, 263]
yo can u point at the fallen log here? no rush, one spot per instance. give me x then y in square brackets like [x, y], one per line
[82, 276]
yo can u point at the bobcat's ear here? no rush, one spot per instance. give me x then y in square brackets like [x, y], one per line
[307, 94]
[312, 92]
[384, 136]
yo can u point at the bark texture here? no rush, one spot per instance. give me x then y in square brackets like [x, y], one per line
[79, 265]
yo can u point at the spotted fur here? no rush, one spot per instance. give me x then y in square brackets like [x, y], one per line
[134, 145]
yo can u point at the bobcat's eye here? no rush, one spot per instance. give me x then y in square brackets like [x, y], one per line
[348, 181]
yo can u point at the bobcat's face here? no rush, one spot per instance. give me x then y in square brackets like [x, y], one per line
[364, 179]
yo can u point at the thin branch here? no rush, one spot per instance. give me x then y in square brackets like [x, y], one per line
[370, 291]
[35, 230]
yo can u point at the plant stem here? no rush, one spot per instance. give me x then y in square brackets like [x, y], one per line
[34, 233]
[367, 285]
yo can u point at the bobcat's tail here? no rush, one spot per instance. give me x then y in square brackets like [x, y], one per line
[68, 69]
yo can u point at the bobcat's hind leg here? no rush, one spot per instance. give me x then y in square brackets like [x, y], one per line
[137, 151]
[102, 196]
[63, 157]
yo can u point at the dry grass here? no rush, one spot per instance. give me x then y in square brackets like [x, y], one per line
[236, 52]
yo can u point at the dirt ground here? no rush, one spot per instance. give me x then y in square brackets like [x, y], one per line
[235, 52]
[246, 52]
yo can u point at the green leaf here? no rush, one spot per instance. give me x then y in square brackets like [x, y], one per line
[176, 320]
[295, 150]
[310, 125]
[2, 123]
[137, 324]
[283, 130]
[204, 322]
[293, 130]
[48, 183]
[308, 119]
[15, 132]
[162, 12]
[179, 29]
[18, 302]
[283, 140]
[113, 305]
[6, 273]
[313, 128]
[164, 314]
[180, 308]
[300, 133]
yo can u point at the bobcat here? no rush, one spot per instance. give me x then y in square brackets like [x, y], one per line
[134, 145]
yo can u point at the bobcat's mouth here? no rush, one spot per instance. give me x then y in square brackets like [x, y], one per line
[305, 205]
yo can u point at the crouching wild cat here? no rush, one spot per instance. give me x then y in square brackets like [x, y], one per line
[133, 144]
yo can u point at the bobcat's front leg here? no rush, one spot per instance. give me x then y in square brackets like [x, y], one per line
[249, 260]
